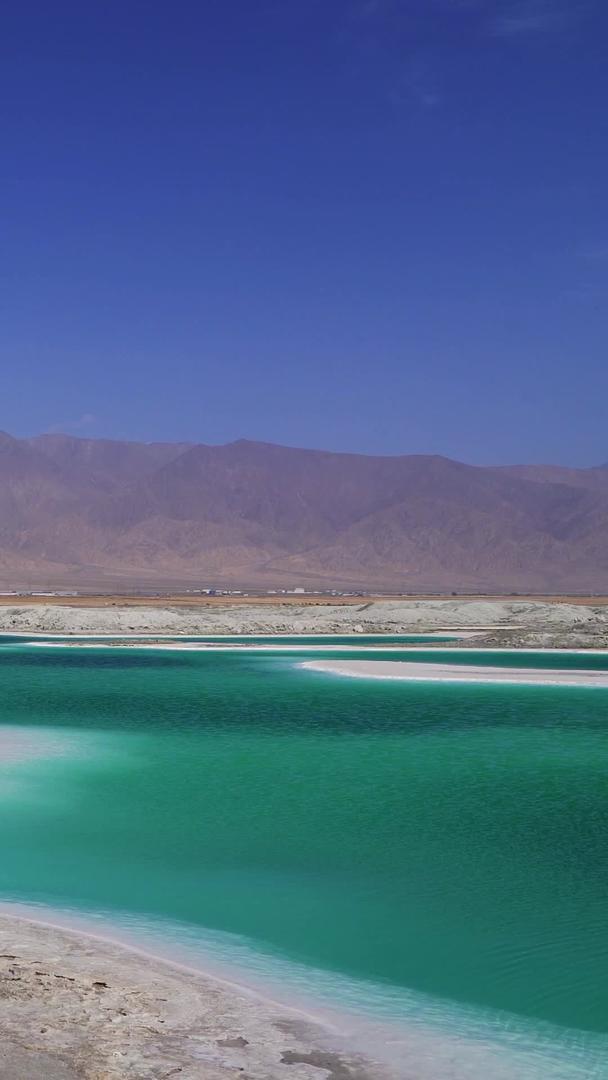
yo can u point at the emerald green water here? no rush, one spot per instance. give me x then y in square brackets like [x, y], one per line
[444, 847]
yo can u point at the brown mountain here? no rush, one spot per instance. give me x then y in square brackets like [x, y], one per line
[93, 512]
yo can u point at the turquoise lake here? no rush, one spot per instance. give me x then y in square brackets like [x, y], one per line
[428, 851]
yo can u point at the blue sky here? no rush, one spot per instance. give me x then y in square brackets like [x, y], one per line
[369, 225]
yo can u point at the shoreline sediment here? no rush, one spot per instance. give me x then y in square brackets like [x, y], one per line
[78, 1005]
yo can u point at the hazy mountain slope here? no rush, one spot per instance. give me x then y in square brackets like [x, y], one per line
[254, 513]
[595, 478]
[105, 463]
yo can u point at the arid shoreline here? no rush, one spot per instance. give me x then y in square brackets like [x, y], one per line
[79, 1007]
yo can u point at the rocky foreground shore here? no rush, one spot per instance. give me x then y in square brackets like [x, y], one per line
[74, 1007]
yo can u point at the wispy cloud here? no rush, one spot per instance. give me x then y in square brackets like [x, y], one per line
[522, 17]
[82, 423]
[417, 37]
[502, 18]
[417, 83]
[594, 254]
[367, 9]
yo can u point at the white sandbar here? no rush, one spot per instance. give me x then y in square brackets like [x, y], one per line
[431, 672]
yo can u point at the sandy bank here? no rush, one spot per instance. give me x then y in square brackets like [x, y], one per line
[467, 673]
[75, 1007]
[527, 622]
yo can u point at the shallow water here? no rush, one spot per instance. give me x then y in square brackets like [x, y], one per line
[338, 647]
[440, 848]
[238, 639]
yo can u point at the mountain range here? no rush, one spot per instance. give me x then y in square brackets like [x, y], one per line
[78, 512]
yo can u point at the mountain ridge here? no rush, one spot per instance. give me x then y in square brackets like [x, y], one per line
[246, 513]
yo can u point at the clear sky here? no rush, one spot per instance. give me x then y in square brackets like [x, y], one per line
[369, 225]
